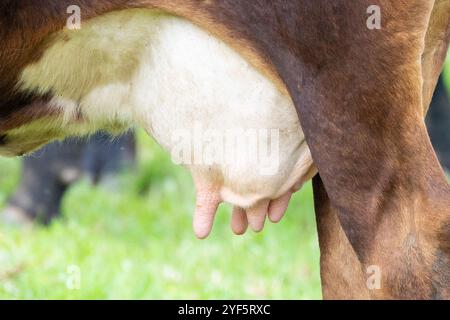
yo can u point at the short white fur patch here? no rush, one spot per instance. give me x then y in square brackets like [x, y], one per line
[185, 75]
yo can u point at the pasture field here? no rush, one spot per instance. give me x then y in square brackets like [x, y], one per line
[138, 243]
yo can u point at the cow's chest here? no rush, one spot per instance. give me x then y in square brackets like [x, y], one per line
[199, 99]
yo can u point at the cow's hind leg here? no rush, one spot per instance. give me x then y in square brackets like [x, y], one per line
[361, 107]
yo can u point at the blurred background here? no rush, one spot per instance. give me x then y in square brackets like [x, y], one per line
[105, 218]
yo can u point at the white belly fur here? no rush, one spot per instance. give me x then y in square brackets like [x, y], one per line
[167, 75]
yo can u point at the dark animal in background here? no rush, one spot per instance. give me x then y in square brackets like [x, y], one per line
[438, 123]
[47, 174]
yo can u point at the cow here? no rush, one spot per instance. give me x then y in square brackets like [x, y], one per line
[48, 173]
[361, 92]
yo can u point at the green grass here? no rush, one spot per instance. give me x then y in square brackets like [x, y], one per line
[138, 244]
[446, 72]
